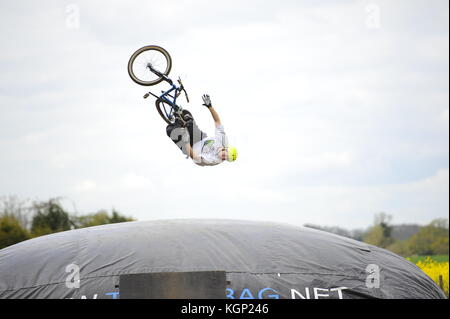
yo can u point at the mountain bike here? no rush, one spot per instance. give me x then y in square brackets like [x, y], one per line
[151, 65]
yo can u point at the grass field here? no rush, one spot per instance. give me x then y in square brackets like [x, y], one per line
[436, 258]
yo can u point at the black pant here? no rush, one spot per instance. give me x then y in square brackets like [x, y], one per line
[195, 134]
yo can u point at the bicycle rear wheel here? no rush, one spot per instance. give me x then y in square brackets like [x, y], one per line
[166, 111]
[145, 59]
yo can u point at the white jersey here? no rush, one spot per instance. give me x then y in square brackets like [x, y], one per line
[208, 148]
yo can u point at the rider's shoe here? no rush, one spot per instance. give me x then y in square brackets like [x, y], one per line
[187, 116]
[178, 121]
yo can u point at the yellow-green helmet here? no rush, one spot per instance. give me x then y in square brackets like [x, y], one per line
[232, 154]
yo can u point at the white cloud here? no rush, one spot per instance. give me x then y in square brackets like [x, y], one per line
[444, 117]
[407, 202]
[85, 186]
[128, 182]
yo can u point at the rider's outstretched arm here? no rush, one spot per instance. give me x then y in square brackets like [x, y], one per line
[215, 116]
[207, 103]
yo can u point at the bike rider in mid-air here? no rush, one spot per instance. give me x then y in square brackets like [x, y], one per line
[194, 143]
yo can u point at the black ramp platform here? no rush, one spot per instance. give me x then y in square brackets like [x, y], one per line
[174, 285]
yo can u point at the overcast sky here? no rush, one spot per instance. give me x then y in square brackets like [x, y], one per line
[339, 109]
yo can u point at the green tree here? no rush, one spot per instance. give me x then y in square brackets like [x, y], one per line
[100, 218]
[49, 217]
[16, 208]
[118, 218]
[11, 231]
[380, 233]
[46, 217]
[431, 239]
[400, 247]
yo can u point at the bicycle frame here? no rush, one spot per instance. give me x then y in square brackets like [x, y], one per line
[166, 94]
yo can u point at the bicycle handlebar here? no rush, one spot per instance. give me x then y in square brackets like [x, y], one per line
[183, 89]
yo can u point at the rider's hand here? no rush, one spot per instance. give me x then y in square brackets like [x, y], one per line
[206, 100]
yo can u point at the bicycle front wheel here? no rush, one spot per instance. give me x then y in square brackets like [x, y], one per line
[144, 60]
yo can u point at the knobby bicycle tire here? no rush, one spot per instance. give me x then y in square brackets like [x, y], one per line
[160, 111]
[141, 50]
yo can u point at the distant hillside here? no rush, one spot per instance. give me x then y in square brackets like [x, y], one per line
[399, 232]
[355, 234]
[404, 231]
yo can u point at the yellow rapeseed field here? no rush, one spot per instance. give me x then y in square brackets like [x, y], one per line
[434, 270]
